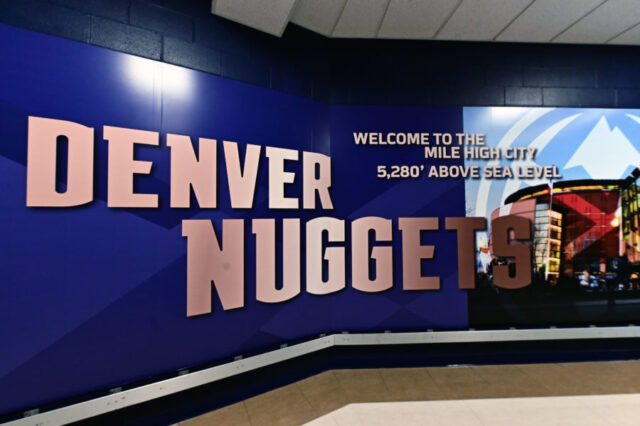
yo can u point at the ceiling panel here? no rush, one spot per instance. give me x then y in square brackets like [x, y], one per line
[631, 36]
[604, 23]
[545, 19]
[318, 15]
[416, 19]
[541, 21]
[361, 18]
[272, 19]
[481, 19]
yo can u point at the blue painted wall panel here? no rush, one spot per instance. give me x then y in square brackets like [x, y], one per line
[94, 297]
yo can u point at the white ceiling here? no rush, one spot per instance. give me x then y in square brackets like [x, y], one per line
[555, 21]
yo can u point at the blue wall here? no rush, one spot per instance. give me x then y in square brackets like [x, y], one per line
[184, 32]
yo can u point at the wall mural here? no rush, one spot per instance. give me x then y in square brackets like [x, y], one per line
[156, 218]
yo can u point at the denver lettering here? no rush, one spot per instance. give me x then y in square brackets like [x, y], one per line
[190, 170]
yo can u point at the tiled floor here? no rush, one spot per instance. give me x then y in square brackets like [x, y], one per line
[598, 410]
[324, 393]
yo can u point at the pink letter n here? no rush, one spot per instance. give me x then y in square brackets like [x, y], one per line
[207, 261]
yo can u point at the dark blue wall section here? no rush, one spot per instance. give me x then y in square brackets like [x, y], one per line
[94, 297]
[184, 32]
[332, 71]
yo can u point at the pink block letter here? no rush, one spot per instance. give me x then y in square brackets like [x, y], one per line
[265, 231]
[122, 167]
[382, 255]
[413, 252]
[242, 185]
[41, 163]
[188, 172]
[333, 255]
[207, 261]
[311, 184]
[278, 177]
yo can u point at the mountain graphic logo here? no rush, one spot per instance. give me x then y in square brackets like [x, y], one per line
[605, 153]
[582, 143]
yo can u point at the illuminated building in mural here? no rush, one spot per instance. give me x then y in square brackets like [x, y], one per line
[630, 203]
[579, 225]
